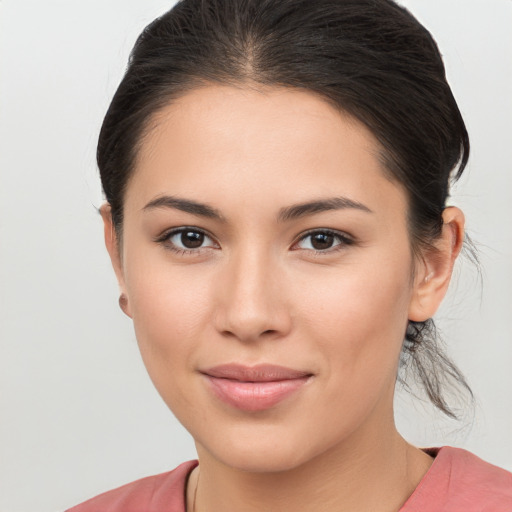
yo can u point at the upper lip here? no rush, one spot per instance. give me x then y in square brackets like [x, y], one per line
[257, 373]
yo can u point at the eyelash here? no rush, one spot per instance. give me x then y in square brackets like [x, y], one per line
[343, 239]
[165, 238]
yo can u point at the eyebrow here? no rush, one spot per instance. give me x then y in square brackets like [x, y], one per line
[321, 205]
[185, 205]
[285, 214]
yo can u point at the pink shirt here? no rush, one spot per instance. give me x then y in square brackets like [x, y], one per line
[457, 481]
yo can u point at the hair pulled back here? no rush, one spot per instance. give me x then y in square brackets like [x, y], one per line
[369, 58]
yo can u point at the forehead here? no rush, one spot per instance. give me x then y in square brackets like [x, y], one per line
[278, 117]
[291, 141]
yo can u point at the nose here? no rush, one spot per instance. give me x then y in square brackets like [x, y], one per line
[251, 300]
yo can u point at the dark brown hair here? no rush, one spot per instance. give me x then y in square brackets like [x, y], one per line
[370, 58]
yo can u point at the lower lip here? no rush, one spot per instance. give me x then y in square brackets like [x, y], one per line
[254, 396]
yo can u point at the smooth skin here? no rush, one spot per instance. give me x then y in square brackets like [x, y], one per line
[256, 286]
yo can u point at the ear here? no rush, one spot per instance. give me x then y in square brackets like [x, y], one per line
[114, 250]
[434, 272]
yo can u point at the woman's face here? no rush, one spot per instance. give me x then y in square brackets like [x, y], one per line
[261, 229]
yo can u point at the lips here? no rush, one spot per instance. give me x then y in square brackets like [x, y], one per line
[254, 388]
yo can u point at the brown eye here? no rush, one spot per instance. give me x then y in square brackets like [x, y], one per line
[192, 239]
[323, 240]
[184, 240]
[320, 241]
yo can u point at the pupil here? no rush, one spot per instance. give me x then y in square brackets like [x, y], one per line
[322, 241]
[192, 239]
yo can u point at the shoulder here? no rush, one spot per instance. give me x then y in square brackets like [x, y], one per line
[479, 474]
[159, 493]
[459, 480]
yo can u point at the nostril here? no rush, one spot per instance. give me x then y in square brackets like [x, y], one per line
[268, 332]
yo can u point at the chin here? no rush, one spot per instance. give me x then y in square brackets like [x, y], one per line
[263, 450]
[262, 461]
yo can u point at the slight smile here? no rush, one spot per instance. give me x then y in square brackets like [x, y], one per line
[254, 388]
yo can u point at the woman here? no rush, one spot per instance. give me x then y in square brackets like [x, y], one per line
[276, 175]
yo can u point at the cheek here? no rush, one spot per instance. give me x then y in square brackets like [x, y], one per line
[165, 308]
[169, 307]
[358, 319]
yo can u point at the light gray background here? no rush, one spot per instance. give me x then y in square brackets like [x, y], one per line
[78, 413]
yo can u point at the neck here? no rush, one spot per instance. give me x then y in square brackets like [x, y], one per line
[379, 477]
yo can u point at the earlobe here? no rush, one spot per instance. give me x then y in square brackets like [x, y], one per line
[112, 245]
[433, 274]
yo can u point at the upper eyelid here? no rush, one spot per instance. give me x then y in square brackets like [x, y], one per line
[325, 230]
[335, 232]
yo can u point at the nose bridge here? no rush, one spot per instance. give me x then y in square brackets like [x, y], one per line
[251, 302]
